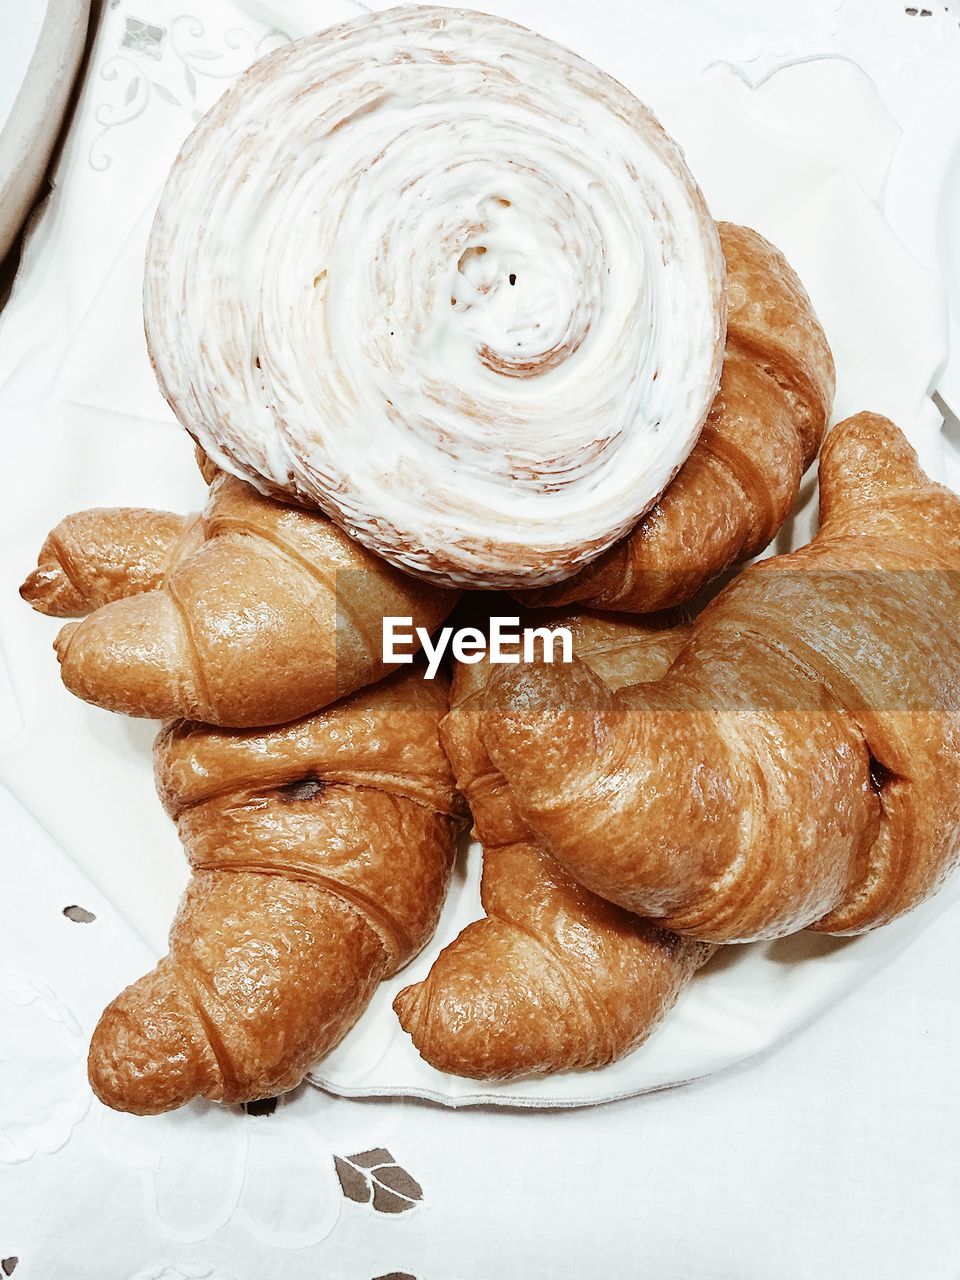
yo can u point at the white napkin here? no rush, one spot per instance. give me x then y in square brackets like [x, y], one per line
[922, 203]
[84, 412]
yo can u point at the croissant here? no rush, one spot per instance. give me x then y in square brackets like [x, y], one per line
[799, 764]
[457, 288]
[320, 854]
[94, 557]
[254, 613]
[553, 978]
[741, 481]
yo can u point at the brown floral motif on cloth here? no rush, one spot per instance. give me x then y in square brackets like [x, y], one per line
[375, 1178]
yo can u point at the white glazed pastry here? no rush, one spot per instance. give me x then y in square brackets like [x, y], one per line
[449, 282]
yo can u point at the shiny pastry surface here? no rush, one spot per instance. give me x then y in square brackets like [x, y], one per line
[799, 765]
[320, 856]
[553, 978]
[253, 614]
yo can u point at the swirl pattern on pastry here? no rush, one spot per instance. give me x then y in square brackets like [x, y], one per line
[441, 277]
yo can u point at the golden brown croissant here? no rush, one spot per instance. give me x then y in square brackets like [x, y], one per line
[253, 614]
[321, 853]
[93, 557]
[553, 978]
[741, 480]
[800, 762]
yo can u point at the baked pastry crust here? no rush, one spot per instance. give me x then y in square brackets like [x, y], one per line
[740, 483]
[799, 765]
[553, 978]
[320, 855]
[254, 613]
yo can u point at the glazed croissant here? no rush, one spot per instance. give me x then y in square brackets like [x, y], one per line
[457, 287]
[320, 854]
[800, 762]
[741, 481]
[254, 613]
[553, 978]
[94, 557]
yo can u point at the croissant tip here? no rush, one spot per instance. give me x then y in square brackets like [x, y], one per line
[866, 422]
[63, 638]
[875, 433]
[119, 1085]
[146, 1053]
[406, 1004]
[44, 590]
[477, 1040]
[208, 468]
[32, 588]
[865, 457]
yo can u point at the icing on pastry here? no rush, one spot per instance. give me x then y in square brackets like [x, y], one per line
[446, 280]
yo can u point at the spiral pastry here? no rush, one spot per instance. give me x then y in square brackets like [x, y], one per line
[449, 282]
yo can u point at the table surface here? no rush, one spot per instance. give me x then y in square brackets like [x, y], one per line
[834, 1156]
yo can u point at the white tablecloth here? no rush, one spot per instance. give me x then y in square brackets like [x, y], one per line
[833, 1157]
